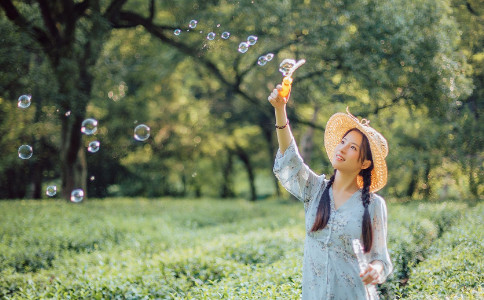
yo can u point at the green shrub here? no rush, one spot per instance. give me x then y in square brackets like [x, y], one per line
[454, 269]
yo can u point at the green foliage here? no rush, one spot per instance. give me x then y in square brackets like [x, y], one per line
[405, 65]
[206, 249]
[454, 263]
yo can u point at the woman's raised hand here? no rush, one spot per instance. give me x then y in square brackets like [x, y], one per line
[276, 100]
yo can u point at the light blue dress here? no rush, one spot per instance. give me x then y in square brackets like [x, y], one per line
[330, 267]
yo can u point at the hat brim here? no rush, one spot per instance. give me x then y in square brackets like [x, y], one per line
[336, 127]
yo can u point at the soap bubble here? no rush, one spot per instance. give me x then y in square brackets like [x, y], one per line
[68, 113]
[225, 35]
[77, 195]
[141, 132]
[193, 24]
[177, 31]
[243, 47]
[25, 152]
[24, 101]
[262, 60]
[286, 66]
[93, 146]
[89, 126]
[211, 36]
[251, 40]
[92, 178]
[51, 190]
[269, 56]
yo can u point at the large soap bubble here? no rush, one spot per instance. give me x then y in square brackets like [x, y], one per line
[141, 132]
[51, 190]
[24, 101]
[89, 126]
[77, 195]
[25, 152]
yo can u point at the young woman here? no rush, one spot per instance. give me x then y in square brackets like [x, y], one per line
[340, 209]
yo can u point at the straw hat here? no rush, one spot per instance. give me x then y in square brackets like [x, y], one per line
[338, 125]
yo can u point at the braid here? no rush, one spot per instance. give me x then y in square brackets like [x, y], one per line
[324, 207]
[367, 232]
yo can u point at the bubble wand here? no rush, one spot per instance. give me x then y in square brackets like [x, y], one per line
[287, 67]
[363, 263]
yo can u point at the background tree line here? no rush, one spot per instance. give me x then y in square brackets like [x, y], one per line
[414, 68]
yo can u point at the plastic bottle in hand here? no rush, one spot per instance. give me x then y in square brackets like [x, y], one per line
[363, 263]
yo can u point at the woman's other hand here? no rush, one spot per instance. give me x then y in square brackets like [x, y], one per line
[372, 273]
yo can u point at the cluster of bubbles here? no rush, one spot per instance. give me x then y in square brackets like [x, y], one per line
[88, 127]
[264, 59]
[77, 195]
[244, 46]
[210, 36]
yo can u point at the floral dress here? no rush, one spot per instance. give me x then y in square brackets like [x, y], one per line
[330, 267]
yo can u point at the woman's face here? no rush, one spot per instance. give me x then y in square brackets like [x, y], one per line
[347, 153]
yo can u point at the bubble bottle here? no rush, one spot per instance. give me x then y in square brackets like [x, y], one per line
[287, 67]
[363, 263]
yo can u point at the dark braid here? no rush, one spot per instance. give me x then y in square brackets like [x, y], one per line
[366, 229]
[324, 207]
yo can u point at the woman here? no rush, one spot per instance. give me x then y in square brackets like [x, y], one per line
[340, 209]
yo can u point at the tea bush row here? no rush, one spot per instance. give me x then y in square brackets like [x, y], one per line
[185, 249]
[454, 268]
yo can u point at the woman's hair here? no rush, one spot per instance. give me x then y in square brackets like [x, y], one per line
[324, 207]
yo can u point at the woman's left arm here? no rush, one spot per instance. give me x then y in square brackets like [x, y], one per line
[380, 264]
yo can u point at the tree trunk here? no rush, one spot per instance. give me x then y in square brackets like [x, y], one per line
[307, 138]
[228, 184]
[269, 135]
[244, 157]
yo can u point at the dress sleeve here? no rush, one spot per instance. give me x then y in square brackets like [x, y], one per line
[379, 250]
[295, 176]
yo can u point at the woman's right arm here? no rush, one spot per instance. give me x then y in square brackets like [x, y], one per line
[284, 135]
[294, 175]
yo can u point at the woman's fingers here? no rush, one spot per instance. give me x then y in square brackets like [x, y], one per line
[369, 276]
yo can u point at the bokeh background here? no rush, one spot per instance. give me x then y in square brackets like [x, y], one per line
[413, 68]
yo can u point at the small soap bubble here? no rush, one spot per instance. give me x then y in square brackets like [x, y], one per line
[51, 190]
[218, 25]
[93, 146]
[177, 31]
[243, 47]
[77, 195]
[68, 113]
[92, 178]
[24, 101]
[211, 36]
[25, 152]
[193, 24]
[141, 132]
[251, 40]
[225, 35]
[269, 56]
[262, 60]
[89, 126]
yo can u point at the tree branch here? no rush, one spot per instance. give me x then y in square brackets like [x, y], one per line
[49, 21]
[112, 12]
[80, 8]
[470, 9]
[129, 19]
[34, 32]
